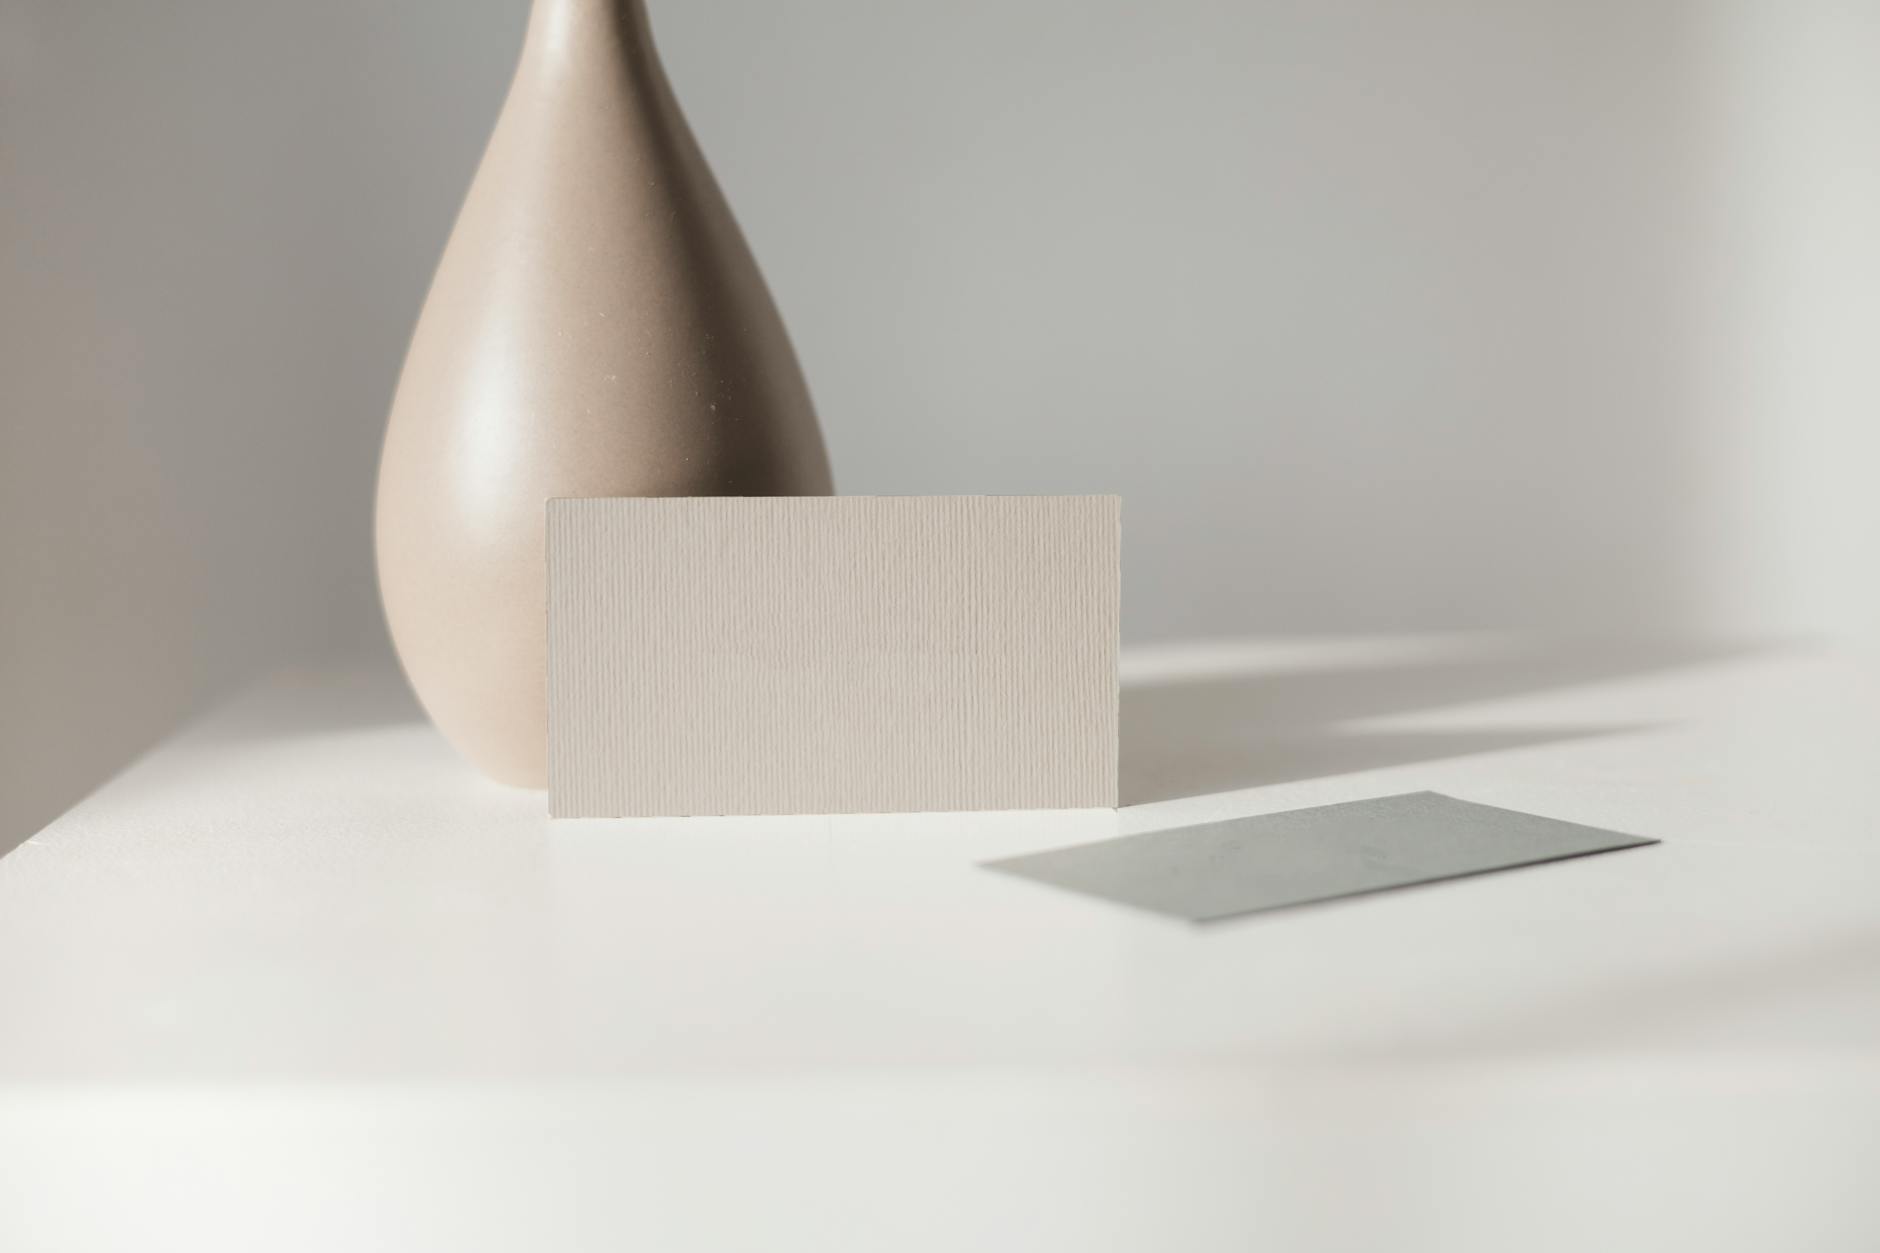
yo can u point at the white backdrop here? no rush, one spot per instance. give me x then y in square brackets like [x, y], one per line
[1546, 315]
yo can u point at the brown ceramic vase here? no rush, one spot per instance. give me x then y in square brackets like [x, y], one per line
[596, 327]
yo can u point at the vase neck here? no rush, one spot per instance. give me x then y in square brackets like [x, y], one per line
[563, 30]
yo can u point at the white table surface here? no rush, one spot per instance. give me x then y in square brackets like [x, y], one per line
[300, 980]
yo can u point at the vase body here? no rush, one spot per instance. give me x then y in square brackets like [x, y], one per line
[596, 327]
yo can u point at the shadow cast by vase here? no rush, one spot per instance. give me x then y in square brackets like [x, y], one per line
[1201, 734]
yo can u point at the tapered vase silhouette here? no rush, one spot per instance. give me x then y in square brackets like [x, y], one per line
[597, 327]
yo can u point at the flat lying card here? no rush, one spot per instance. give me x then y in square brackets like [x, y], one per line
[847, 654]
[1246, 865]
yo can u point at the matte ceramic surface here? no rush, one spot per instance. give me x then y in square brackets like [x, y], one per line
[597, 327]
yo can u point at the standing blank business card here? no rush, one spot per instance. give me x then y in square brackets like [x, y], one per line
[1245, 865]
[848, 654]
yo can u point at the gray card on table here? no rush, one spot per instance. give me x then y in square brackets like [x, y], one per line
[1245, 865]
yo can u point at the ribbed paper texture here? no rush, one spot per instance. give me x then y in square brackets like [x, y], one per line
[852, 654]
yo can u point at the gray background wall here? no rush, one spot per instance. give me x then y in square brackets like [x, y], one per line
[1529, 314]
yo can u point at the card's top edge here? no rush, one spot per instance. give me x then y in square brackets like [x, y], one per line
[1110, 496]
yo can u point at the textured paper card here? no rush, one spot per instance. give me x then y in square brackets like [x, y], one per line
[847, 654]
[1245, 865]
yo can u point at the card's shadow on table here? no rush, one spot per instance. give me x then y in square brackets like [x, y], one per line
[1197, 734]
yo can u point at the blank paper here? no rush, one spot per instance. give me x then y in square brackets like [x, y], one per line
[771, 655]
[1245, 865]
